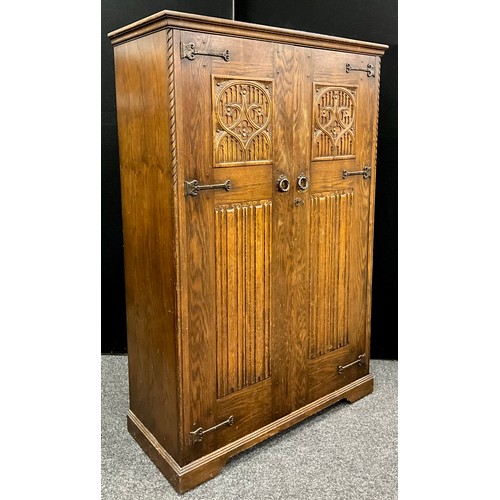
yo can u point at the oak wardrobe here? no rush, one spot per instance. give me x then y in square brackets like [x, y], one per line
[247, 163]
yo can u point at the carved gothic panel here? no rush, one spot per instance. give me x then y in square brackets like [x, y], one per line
[243, 294]
[331, 216]
[242, 112]
[334, 116]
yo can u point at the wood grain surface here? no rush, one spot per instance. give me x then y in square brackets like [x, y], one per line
[242, 303]
[194, 22]
[149, 237]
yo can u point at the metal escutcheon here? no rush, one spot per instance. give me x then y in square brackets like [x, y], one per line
[302, 182]
[283, 183]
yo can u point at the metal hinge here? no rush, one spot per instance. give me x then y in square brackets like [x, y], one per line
[189, 51]
[198, 434]
[192, 188]
[366, 173]
[370, 69]
[360, 361]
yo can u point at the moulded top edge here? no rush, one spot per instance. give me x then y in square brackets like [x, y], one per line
[169, 18]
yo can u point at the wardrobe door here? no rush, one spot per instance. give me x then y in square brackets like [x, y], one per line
[225, 101]
[343, 109]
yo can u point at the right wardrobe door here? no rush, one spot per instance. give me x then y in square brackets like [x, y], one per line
[339, 201]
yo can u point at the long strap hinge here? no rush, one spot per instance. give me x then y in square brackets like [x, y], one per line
[198, 434]
[189, 51]
[360, 362]
[370, 69]
[366, 173]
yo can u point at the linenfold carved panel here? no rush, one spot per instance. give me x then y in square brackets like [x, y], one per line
[334, 116]
[330, 227]
[242, 111]
[243, 294]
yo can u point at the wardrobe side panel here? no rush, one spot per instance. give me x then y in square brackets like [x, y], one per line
[142, 97]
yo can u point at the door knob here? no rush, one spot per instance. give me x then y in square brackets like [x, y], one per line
[302, 182]
[283, 183]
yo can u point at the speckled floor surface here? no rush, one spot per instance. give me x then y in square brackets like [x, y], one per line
[348, 451]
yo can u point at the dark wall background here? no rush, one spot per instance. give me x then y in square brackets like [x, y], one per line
[374, 21]
[114, 15]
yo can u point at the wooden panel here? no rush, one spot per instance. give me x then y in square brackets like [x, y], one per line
[250, 59]
[334, 122]
[250, 407]
[374, 107]
[324, 374]
[338, 339]
[330, 67]
[194, 132]
[300, 123]
[224, 358]
[246, 184]
[331, 216]
[290, 235]
[142, 98]
[359, 272]
[242, 111]
[282, 250]
[243, 294]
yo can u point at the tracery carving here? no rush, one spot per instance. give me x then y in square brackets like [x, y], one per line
[334, 111]
[242, 121]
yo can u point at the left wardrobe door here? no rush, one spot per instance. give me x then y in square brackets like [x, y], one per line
[224, 109]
